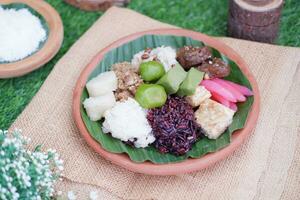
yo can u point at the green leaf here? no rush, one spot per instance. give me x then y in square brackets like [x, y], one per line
[18, 6]
[38, 148]
[124, 53]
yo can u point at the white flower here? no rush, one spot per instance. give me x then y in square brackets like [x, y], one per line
[93, 195]
[25, 172]
[60, 168]
[71, 195]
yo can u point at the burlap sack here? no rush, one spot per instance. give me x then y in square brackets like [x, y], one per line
[267, 166]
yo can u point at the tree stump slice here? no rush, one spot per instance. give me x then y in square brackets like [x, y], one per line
[94, 5]
[256, 20]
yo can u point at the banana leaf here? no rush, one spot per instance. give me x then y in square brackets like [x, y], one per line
[201, 147]
[18, 6]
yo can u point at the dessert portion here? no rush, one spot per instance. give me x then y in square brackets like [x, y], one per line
[172, 79]
[127, 121]
[198, 97]
[96, 106]
[213, 117]
[165, 99]
[174, 127]
[101, 84]
[202, 58]
[164, 55]
[101, 91]
[189, 56]
[215, 68]
[128, 80]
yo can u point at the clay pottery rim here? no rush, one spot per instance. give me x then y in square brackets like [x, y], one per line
[189, 165]
[49, 49]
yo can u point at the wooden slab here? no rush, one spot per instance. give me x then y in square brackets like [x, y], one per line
[49, 49]
[93, 5]
[256, 20]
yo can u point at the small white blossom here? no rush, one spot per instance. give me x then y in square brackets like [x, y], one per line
[71, 195]
[26, 173]
[93, 195]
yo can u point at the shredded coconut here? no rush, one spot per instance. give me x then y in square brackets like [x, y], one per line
[127, 121]
[20, 34]
[164, 54]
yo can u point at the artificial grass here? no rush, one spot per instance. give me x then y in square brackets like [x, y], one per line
[209, 17]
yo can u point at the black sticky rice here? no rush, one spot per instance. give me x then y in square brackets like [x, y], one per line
[174, 126]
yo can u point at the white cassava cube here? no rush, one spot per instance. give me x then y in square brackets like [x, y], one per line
[96, 106]
[103, 83]
[199, 96]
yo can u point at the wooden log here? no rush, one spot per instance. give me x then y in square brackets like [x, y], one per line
[94, 5]
[256, 20]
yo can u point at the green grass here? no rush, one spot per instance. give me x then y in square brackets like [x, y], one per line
[209, 17]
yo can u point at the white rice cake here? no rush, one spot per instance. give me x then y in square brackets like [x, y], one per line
[103, 83]
[213, 117]
[96, 106]
[201, 93]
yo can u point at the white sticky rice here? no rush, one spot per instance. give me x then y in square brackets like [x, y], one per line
[127, 121]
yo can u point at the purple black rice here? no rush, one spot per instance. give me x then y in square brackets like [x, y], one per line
[174, 126]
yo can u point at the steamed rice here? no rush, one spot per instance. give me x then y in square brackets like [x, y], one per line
[127, 121]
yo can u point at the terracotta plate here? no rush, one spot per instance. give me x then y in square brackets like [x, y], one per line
[189, 165]
[49, 49]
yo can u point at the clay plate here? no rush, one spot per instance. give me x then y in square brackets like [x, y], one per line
[49, 49]
[189, 165]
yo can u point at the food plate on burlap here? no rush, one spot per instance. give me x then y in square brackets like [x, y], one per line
[205, 152]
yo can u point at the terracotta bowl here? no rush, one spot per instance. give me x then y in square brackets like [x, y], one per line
[189, 165]
[49, 49]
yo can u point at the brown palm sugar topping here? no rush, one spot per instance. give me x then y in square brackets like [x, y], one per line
[128, 80]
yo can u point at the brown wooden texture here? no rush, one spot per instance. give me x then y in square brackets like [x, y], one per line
[258, 2]
[93, 5]
[50, 48]
[254, 20]
[265, 34]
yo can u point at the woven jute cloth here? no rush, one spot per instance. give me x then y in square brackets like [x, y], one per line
[267, 166]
